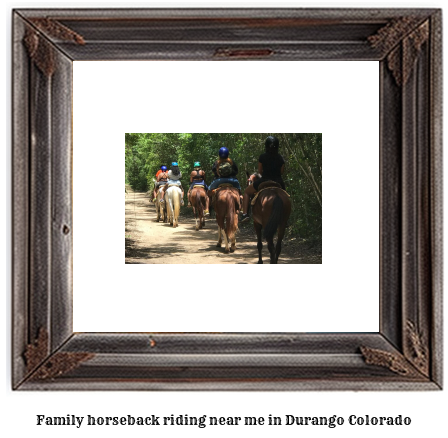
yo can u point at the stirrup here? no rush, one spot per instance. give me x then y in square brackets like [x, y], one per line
[162, 201]
[245, 217]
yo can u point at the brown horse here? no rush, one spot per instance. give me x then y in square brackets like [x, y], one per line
[270, 213]
[198, 197]
[226, 204]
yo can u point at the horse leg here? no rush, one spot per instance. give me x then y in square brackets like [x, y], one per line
[271, 248]
[219, 237]
[226, 241]
[233, 234]
[205, 207]
[259, 242]
[196, 226]
[278, 247]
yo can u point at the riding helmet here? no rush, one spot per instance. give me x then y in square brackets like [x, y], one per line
[163, 168]
[197, 164]
[271, 143]
[223, 152]
[174, 163]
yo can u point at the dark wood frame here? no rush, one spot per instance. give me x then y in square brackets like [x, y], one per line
[406, 354]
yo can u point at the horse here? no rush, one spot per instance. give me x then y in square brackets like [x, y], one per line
[270, 213]
[160, 207]
[173, 196]
[226, 205]
[198, 202]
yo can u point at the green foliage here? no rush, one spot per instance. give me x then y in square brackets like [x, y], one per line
[145, 153]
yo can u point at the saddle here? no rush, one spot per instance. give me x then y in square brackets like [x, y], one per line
[268, 184]
[265, 186]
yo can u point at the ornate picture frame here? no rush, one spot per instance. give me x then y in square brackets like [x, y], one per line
[406, 353]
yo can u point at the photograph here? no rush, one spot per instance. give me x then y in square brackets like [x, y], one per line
[212, 198]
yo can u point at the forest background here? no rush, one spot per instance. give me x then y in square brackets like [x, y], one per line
[145, 153]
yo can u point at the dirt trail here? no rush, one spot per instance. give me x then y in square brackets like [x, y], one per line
[147, 241]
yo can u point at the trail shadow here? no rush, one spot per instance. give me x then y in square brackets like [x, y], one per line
[158, 251]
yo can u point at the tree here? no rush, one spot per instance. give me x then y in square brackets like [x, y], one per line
[145, 153]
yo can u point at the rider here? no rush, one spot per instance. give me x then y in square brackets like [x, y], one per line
[271, 166]
[162, 178]
[174, 176]
[225, 171]
[197, 177]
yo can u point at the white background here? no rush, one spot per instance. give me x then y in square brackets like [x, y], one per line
[339, 295]
[427, 410]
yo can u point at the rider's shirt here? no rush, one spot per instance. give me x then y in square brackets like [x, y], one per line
[272, 165]
[173, 177]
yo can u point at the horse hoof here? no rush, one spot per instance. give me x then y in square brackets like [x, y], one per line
[260, 262]
[226, 250]
[218, 245]
[232, 249]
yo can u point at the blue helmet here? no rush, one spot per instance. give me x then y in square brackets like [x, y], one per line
[223, 152]
[174, 163]
[163, 168]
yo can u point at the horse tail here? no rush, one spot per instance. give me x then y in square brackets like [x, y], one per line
[221, 210]
[199, 206]
[274, 218]
[231, 222]
[176, 202]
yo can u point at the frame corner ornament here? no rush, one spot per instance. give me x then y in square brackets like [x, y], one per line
[37, 351]
[41, 366]
[418, 349]
[40, 49]
[401, 40]
[395, 362]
